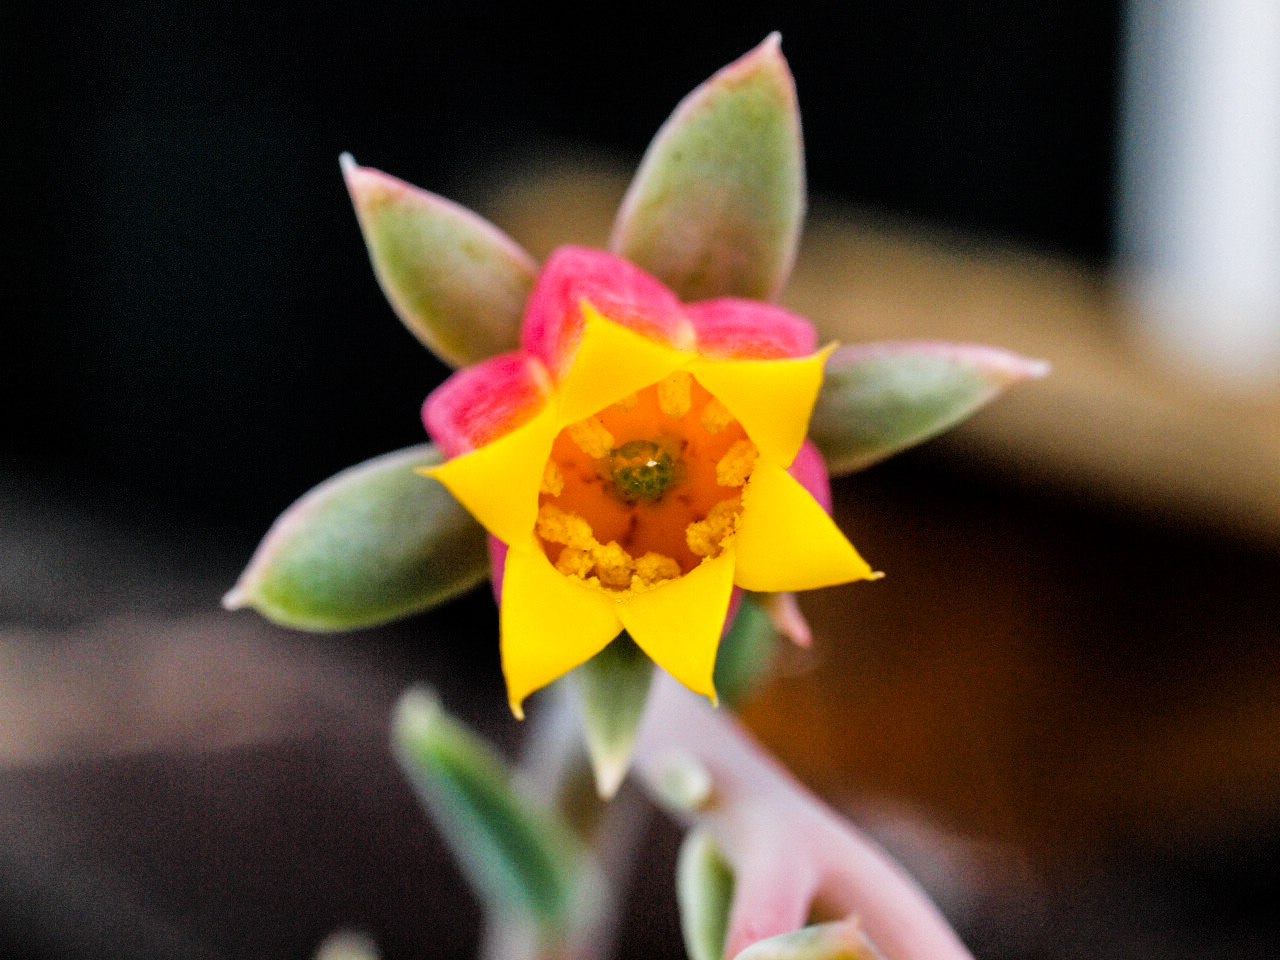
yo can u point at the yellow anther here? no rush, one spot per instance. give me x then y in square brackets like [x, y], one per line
[674, 394]
[715, 416]
[705, 537]
[628, 403]
[552, 480]
[561, 526]
[736, 465]
[653, 568]
[591, 437]
[573, 562]
[613, 565]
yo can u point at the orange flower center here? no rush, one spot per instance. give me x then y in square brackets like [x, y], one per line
[645, 489]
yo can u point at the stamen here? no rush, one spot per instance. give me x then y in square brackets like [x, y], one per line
[561, 526]
[675, 394]
[715, 416]
[552, 480]
[613, 565]
[591, 437]
[653, 568]
[637, 494]
[573, 562]
[705, 537]
[736, 465]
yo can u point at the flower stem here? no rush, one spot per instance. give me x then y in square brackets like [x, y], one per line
[792, 857]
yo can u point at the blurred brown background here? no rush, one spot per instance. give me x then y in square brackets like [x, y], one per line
[1060, 706]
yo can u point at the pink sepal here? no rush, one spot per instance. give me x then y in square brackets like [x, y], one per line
[811, 470]
[498, 561]
[729, 328]
[620, 290]
[478, 405]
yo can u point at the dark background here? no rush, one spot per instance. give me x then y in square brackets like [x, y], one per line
[195, 332]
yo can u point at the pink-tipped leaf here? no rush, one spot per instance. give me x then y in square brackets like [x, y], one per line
[455, 280]
[376, 542]
[716, 206]
[879, 398]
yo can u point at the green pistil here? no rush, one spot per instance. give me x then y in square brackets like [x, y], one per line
[642, 470]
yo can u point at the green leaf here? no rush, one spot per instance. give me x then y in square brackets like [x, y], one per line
[516, 855]
[877, 399]
[680, 782]
[456, 281]
[704, 891]
[376, 542]
[613, 687]
[745, 652]
[842, 940]
[716, 206]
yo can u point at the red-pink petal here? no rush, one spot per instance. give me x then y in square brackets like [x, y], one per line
[730, 328]
[618, 289]
[478, 405]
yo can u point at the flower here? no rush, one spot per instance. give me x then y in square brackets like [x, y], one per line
[632, 459]
[635, 458]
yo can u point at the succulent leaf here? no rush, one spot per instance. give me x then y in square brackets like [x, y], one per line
[842, 940]
[716, 206]
[704, 891]
[877, 399]
[455, 280]
[516, 855]
[613, 688]
[745, 652]
[371, 544]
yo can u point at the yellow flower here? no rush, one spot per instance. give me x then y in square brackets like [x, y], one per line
[635, 467]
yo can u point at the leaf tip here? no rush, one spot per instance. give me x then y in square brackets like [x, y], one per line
[237, 598]
[610, 769]
[1037, 369]
[765, 55]
[683, 783]
[415, 714]
[1005, 368]
[347, 945]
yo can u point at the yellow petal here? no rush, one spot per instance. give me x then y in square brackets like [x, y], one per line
[612, 362]
[498, 483]
[550, 624]
[786, 541]
[772, 399]
[679, 623]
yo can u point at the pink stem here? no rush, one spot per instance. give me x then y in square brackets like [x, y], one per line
[789, 852]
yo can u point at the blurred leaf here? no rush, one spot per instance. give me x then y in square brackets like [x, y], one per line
[704, 891]
[375, 542]
[716, 206]
[456, 281]
[745, 652]
[877, 399]
[613, 687]
[842, 940]
[517, 855]
[681, 782]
